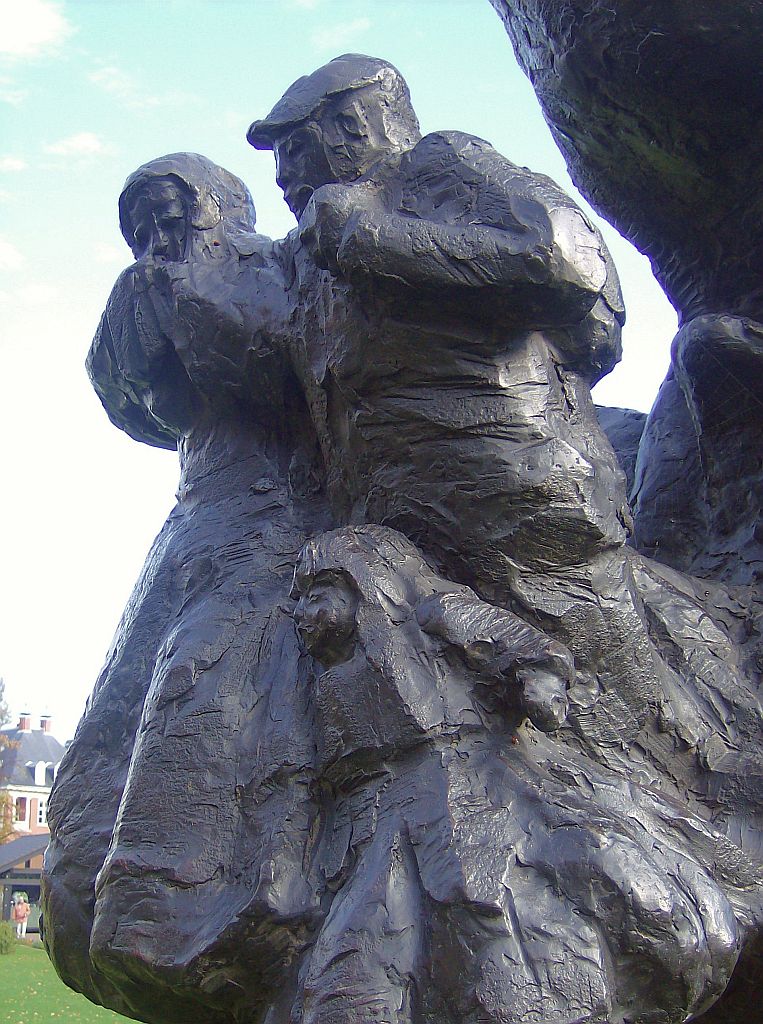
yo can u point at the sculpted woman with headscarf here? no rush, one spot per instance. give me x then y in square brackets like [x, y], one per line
[203, 696]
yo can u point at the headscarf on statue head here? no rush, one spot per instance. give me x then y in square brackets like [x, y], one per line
[139, 378]
[220, 208]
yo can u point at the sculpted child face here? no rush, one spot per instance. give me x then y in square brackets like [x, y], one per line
[544, 697]
[325, 617]
[159, 213]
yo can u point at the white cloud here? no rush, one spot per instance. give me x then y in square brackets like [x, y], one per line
[112, 254]
[31, 28]
[10, 257]
[27, 299]
[132, 94]
[12, 96]
[37, 296]
[335, 37]
[79, 144]
[122, 86]
[8, 91]
[12, 163]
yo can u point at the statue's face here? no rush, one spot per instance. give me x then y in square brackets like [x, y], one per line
[325, 617]
[301, 165]
[159, 214]
[339, 145]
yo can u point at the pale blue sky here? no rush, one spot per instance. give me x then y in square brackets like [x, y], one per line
[90, 89]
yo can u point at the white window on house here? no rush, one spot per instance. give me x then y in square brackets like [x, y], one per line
[19, 809]
[42, 812]
[40, 771]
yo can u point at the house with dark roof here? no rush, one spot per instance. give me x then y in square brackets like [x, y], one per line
[29, 761]
[20, 866]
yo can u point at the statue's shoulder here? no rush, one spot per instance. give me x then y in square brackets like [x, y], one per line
[449, 152]
[465, 178]
[470, 153]
[114, 343]
[479, 166]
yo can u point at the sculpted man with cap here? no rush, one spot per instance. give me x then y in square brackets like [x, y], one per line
[451, 311]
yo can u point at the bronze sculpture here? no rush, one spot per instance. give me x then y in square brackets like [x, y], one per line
[474, 764]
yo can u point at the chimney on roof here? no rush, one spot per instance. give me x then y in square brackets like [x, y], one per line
[25, 722]
[45, 721]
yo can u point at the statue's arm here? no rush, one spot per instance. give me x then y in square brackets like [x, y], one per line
[498, 645]
[118, 390]
[225, 322]
[545, 258]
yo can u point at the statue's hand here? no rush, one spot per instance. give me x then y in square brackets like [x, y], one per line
[205, 301]
[327, 219]
[151, 293]
[544, 697]
[321, 226]
[496, 643]
[192, 310]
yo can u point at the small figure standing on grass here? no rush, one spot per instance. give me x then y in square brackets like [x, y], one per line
[21, 916]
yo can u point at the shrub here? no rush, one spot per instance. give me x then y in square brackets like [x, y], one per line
[7, 937]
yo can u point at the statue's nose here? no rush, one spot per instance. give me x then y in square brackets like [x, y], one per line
[300, 612]
[284, 175]
[161, 239]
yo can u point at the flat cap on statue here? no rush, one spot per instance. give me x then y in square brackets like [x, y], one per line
[342, 74]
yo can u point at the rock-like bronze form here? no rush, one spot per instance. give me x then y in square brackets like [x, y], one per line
[656, 108]
[652, 104]
[624, 429]
[396, 727]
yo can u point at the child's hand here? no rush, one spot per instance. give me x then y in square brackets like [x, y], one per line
[544, 696]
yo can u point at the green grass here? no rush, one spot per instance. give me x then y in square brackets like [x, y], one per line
[32, 993]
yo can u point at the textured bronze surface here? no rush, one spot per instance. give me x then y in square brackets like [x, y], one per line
[397, 726]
